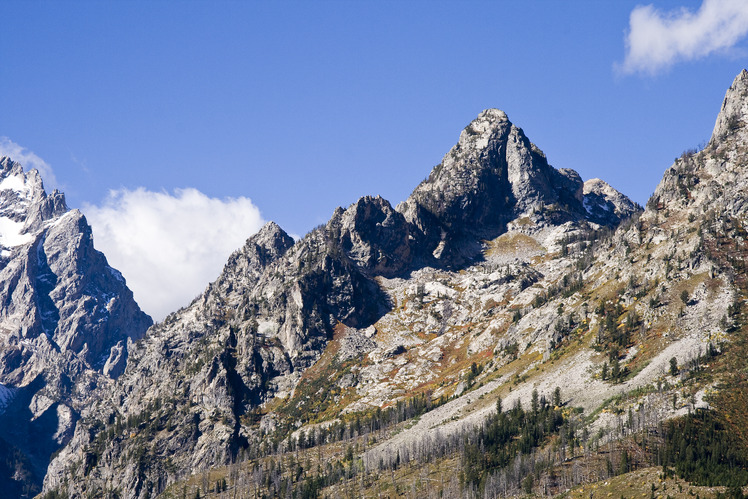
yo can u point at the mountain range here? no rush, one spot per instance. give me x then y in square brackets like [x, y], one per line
[506, 329]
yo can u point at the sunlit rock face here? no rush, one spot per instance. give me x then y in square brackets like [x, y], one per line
[67, 320]
[357, 289]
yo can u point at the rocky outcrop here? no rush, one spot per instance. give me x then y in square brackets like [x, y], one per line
[605, 205]
[712, 182]
[492, 176]
[244, 267]
[66, 318]
[733, 115]
[375, 236]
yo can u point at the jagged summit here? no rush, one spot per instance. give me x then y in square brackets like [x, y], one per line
[372, 283]
[70, 285]
[58, 243]
[271, 242]
[494, 175]
[734, 112]
[67, 320]
[487, 122]
[714, 179]
[28, 185]
[375, 236]
[24, 205]
[245, 266]
[270, 229]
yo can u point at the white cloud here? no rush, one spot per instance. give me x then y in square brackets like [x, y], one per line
[28, 160]
[656, 40]
[170, 246]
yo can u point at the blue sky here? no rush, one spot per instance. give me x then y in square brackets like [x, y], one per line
[304, 106]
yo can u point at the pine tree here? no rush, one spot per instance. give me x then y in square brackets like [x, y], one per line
[616, 371]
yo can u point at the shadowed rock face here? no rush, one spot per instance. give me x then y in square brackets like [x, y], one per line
[605, 205]
[492, 175]
[375, 236]
[66, 318]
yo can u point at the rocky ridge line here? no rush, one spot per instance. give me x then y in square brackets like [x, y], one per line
[198, 378]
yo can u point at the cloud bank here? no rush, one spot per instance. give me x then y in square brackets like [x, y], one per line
[170, 246]
[656, 40]
[28, 160]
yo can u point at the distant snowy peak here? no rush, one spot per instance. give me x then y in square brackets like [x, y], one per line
[24, 206]
[67, 319]
[53, 280]
[17, 188]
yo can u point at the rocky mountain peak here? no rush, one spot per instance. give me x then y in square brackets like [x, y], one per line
[8, 166]
[605, 205]
[489, 123]
[67, 319]
[271, 241]
[27, 185]
[493, 175]
[54, 282]
[714, 179]
[246, 265]
[24, 205]
[734, 112]
[270, 230]
[374, 235]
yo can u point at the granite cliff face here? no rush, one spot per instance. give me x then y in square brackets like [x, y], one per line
[196, 388]
[375, 236]
[66, 321]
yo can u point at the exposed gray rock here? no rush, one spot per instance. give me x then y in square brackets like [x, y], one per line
[66, 318]
[354, 344]
[375, 236]
[605, 205]
[733, 115]
[711, 182]
[117, 360]
[245, 340]
[192, 383]
[493, 175]
[248, 263]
